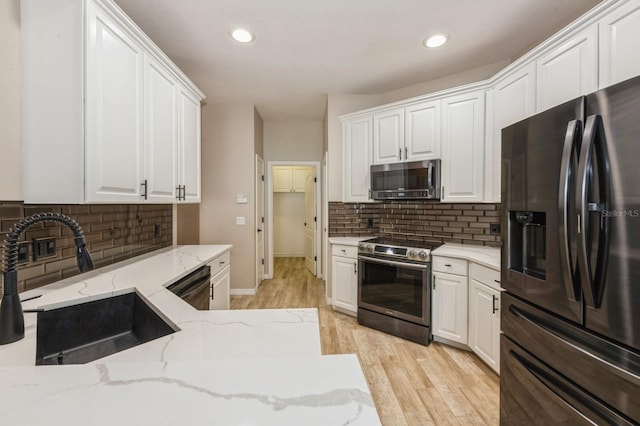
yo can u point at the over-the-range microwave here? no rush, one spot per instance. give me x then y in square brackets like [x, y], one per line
[406, 181]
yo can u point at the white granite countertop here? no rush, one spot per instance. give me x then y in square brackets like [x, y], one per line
[485, 256]
[240, 367]
[349, 241]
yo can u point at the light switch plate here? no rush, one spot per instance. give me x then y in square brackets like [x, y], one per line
[240, 220]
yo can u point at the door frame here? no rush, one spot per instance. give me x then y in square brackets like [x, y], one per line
[260, 181]
[269, 220]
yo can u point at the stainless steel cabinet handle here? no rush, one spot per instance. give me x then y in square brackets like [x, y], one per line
[448, 265]
[400, 154]
[343, 250]
[355, 268]
[222, 262]
[144, 194]
[494, 304]
[405, 153]
[434, 282]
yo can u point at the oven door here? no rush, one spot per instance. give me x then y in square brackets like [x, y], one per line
[397, 289]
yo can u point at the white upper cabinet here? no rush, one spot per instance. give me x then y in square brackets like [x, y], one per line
[463, 147]
[407, 134]
[422, 131]
[357, 143]
[114, 108]
[290, 178]
[388, 136]
[619, 55]
[509, 101]
[189, 160]
[161, 133]
[568, 71]
[106, 116]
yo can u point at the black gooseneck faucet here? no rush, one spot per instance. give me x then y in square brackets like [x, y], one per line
[11, 316]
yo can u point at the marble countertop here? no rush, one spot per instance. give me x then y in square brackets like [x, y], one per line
[246, 364]
[485, 256]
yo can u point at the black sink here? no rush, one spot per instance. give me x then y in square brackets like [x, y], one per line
[84, 332]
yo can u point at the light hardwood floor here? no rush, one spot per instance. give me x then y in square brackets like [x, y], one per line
[411, 384]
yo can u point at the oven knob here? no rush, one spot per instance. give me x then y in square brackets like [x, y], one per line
[422, 254]
[413, 253]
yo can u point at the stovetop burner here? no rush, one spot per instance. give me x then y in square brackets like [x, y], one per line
[416, 251]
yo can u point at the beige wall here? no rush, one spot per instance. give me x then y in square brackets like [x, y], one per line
[338, 105]
[288, 224]
[258, 133]
[10, 169]
[293, 140]
[228, 144]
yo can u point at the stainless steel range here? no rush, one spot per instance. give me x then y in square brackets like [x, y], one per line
[394, 287]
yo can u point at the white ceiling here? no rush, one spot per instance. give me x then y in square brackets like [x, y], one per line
[306, 49]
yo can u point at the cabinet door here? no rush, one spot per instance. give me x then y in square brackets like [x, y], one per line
[220, 284]
[449, 306]
[484, 323]
[161, 133]
[189, 162]
[422, 131]
[463, 148]
[568, 71]
[344, 279]
[114, 112]
[282, 179]
[619, 55]
[388, 137]
[357, 160]
[299, 178]
[512, 99]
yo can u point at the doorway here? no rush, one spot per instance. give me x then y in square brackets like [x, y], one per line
[294, 213]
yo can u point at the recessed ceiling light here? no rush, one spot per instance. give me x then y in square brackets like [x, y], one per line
[435, 40]
[243, 36]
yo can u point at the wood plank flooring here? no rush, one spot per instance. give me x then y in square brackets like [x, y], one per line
[411, 384]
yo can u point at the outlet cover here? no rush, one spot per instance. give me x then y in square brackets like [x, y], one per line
[240, 220]
[23, 252]
[44, 247]
[494, 229]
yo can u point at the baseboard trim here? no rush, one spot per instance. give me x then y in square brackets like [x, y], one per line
[242, 292]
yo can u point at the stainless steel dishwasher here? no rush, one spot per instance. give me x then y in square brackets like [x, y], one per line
[194, 288]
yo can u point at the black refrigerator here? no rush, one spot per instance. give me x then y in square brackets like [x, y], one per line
[570, 343]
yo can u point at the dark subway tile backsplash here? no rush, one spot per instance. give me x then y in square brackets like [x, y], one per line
[428, 221]
[113, 232]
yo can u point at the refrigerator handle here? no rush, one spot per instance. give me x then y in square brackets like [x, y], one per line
[569, 151]
[592, 279]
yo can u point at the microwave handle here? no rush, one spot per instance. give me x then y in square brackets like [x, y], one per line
[430, 176]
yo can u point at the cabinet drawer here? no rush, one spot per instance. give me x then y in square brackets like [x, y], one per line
[486, 276]
[345, 251]
[220, 262]
[449, 265]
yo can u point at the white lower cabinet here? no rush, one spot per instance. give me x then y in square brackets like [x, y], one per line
[344, 278]
[220, 282]
[484, 315]
[449, 299]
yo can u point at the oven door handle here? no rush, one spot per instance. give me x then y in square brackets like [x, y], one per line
[392, 263]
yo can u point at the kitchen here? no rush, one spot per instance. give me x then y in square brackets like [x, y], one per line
[247, 133]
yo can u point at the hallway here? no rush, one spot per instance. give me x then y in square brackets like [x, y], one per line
[411, 384]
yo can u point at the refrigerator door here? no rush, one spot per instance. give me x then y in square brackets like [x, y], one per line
[609, 246]
[608, 372]
[539, 166]
[531, 393]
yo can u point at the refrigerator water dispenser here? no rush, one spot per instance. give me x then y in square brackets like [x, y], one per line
[527, 243]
